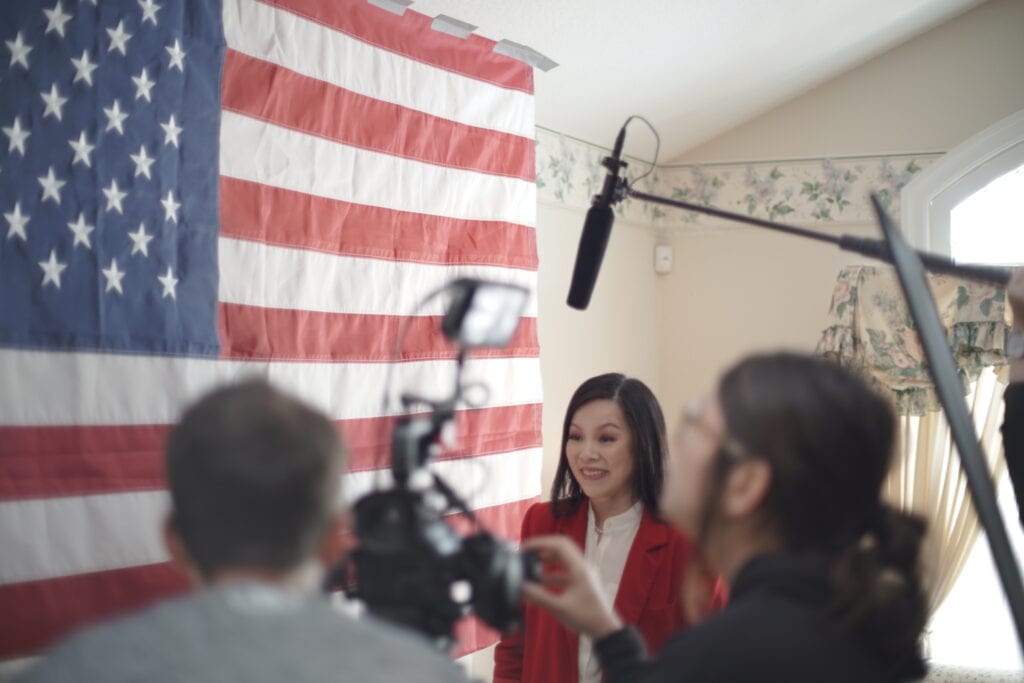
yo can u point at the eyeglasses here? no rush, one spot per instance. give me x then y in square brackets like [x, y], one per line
[730, 446]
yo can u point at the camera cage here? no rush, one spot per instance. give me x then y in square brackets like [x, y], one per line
[411, 566]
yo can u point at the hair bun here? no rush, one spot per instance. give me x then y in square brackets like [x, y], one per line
[878, 592]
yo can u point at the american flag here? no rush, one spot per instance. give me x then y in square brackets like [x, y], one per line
[195, 191]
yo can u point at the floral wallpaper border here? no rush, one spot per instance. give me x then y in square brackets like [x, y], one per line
[822, 191]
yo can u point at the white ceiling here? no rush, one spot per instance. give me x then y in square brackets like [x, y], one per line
[695, 68]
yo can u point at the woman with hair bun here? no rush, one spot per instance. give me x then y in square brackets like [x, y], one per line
[777, 476]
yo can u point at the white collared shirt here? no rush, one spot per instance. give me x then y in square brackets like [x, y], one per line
[607, 552]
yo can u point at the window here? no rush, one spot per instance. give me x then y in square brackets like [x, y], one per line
[929, 200]
[988, 226]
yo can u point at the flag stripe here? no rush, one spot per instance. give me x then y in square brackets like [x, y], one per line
[315, 50]
[75, 547]
[111, 389]
[81, 460]
[54, 607]
[50, 608]
[360, 176]
[315, 281]
[266, 91]
[256, 333]
[264, 213]
[472, 634]
[410, 35]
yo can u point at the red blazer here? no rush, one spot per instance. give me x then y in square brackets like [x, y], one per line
[545, 652]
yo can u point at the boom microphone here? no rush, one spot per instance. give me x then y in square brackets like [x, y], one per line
[596, 230]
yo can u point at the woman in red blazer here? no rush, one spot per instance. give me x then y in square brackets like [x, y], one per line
[606, 489]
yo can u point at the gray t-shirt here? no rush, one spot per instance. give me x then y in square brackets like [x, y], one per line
[249, 632]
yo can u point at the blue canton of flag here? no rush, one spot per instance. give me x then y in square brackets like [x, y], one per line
[109, 125]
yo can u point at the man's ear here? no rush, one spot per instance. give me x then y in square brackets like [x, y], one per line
[179, 554]
[746, 486]
[338, 541]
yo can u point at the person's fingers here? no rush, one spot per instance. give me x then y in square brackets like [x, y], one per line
[558, 580]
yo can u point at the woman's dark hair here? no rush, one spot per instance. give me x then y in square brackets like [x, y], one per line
[646, 426]
[829, 440]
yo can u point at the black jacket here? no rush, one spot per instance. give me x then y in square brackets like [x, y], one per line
[1013, 441]
[777, 627]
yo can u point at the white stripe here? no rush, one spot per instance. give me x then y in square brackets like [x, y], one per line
[314, 50]
[62, 388]
[52, 537]
[264, 153]
[315, 281]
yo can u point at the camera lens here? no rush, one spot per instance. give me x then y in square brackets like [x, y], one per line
[531, 565]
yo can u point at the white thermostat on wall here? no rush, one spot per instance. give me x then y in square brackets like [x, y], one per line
[663, 259]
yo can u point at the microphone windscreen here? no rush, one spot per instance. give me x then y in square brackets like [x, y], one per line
[593, 241]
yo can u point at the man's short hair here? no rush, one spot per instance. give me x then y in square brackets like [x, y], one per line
[254, 476]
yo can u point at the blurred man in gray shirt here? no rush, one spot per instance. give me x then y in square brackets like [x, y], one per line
[254, 478]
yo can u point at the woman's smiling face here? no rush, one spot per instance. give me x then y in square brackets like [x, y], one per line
[599, 450]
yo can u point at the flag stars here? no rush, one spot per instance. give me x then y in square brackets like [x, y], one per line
[177, 56]
[16, 222]
[170, 207]
[170, 284]
[149, 10]
[81, 230]
[114, 197]
[143, 85]
[19, 51]
[142, 162]
[51, 186]
[84, 68]
[140, 241]
[52, 270]
[119, 38]
[82, 150]
[56, 18]
[54, 103]
[17, 135]
[171, 131]
[115, 117]
[114, 277]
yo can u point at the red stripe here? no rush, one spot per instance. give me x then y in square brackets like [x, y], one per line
[272, 215]
[38, 612]
[285, 334]
[35, 613]
[410, 35]
[39, 462]
[473, 635]
[272, 93]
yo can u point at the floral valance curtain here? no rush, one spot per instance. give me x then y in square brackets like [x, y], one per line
[870, 331]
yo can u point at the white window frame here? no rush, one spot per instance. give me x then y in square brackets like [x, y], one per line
[927, 200]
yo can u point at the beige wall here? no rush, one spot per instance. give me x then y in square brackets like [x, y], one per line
[617, 333]
[928, 94]
[737, 290]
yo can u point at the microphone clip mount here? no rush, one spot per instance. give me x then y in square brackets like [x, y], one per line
[615, 187]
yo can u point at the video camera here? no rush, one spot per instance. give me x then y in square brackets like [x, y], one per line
[411, 567]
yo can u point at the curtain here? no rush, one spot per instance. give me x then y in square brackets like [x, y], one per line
[870, 332]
